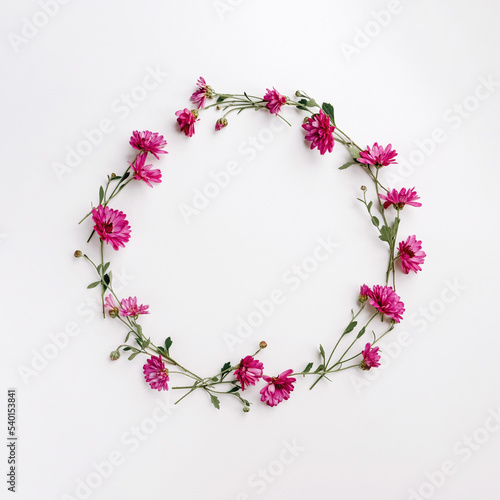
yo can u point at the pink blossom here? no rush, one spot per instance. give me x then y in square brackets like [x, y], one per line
[401, 198]
[148, 142]
[370, 357]
[186, 120]
[111, 226]
[156, 374]
[387, 302]
[203, 92]
[411, 254]
[364, 293]
[377, 156]
[129, 307]
[145, 172]
[320, 132]
[278, 388]
[274, 101]
[110, 304]
[249, 371]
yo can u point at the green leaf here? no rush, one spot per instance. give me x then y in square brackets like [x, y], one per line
[168, 343]
[328, 109]
[386, 234]
[128, 335]
[369, 206]
[107, 279]
[127, 348]
[94, 284]
[350, 327]
[234, 389]
[302, 108]
[322, 352]
[226, 367]
[395, 226]
[311, 103]
[307, 369]
[133, 355]
[146, 343]
[161, 350]
[303, 102]
[320, 367]
[347, 165]
[222, 97]
[101, 195]
[375, 221]
[354, 151]
[127, 174]
[361, 332]
[105, 268]
[215, 401]
[139, 329]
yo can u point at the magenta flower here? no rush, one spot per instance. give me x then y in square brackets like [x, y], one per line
[145, 172]
[401, 198]
[129, 307]
[364, 293]
[370, 357]
[278, 388]
[111, 226]
[249, 371]
[148, 142]
[111, 306]
[156, 374]
[204, 91]
[274, 101]
[377, 156]
[320, 132]
[387, 302]
[186, 120]
[411, 254]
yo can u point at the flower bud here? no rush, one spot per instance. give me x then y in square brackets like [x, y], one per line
[246, 409]
[114, 313]
[298, 93]
[363, 188]
[78, 254]
[220, 123]
[263, 344]
[114, 355]
[195, 113]
[113, 175]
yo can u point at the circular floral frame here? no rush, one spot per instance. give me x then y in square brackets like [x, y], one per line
[237, 378]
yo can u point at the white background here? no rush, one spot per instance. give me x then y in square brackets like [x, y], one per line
[380, 434]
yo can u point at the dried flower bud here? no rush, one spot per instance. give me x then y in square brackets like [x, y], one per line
[298, 93]
[246, 409]
[263, 344]
[78, 254]
[363, 188]
[220, 123]
[114, 313]
[114, 355]
[195, 113]
[113, 175]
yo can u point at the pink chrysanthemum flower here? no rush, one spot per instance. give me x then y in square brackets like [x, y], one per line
[278, 388]
[274, 101]
[129, 307]
[148, 142]
[203, 93]
[364, 293]
[111, 226]
[370, 357]
[387, 302]
[156, 374]
[249, 371]
[377, 156]
[220, 124]
[320, 132]
[145, 172]
[186, 120]
[411, 254]
[111, 306]
[401, 198]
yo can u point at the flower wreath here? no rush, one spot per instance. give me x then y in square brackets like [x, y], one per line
[234, 379]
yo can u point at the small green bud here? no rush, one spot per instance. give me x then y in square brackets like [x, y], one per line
[246, 409]
[78, 254]
[363, 188]
[114, 355]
